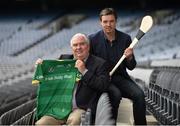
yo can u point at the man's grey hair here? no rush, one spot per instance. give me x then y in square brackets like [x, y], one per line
[80, 35]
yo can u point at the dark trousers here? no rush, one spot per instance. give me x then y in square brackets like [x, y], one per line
[115, 97]
[129, 89]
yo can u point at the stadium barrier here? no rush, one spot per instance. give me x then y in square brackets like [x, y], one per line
[163, 99]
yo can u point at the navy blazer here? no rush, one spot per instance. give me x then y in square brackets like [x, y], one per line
[92, 84]
[98, 48]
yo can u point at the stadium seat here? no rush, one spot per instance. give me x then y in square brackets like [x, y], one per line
[163, 95]
[15, 114]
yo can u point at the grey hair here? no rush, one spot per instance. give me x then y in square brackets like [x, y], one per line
[78, 35]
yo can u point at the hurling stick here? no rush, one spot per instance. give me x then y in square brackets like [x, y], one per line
[146, 24]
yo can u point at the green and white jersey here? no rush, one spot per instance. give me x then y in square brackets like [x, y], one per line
[56, 79]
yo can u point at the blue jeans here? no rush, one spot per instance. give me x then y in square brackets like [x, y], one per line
[129, 89]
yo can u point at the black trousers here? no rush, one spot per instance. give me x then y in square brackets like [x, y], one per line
[123, 87]
[115, 98]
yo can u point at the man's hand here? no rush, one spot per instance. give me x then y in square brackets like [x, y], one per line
[38, 61]
[128, 53]
[80, 66]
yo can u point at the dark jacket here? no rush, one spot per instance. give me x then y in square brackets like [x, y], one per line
[98, 48]
[92, 84]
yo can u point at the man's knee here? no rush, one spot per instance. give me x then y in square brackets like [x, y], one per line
[114, 93]
[75, 117]
[48, 120]
[139, 96]
[73, 121]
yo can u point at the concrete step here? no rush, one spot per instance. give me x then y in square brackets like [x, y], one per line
[125, 114]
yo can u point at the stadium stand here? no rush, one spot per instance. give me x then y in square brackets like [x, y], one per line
[161, 41]
[15, 77]
[162, 89]
[27, 37]
[19, 114]
[16, 94]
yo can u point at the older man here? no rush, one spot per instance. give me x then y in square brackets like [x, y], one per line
[94, 81]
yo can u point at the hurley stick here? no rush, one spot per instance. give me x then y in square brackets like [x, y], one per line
[146, 24]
